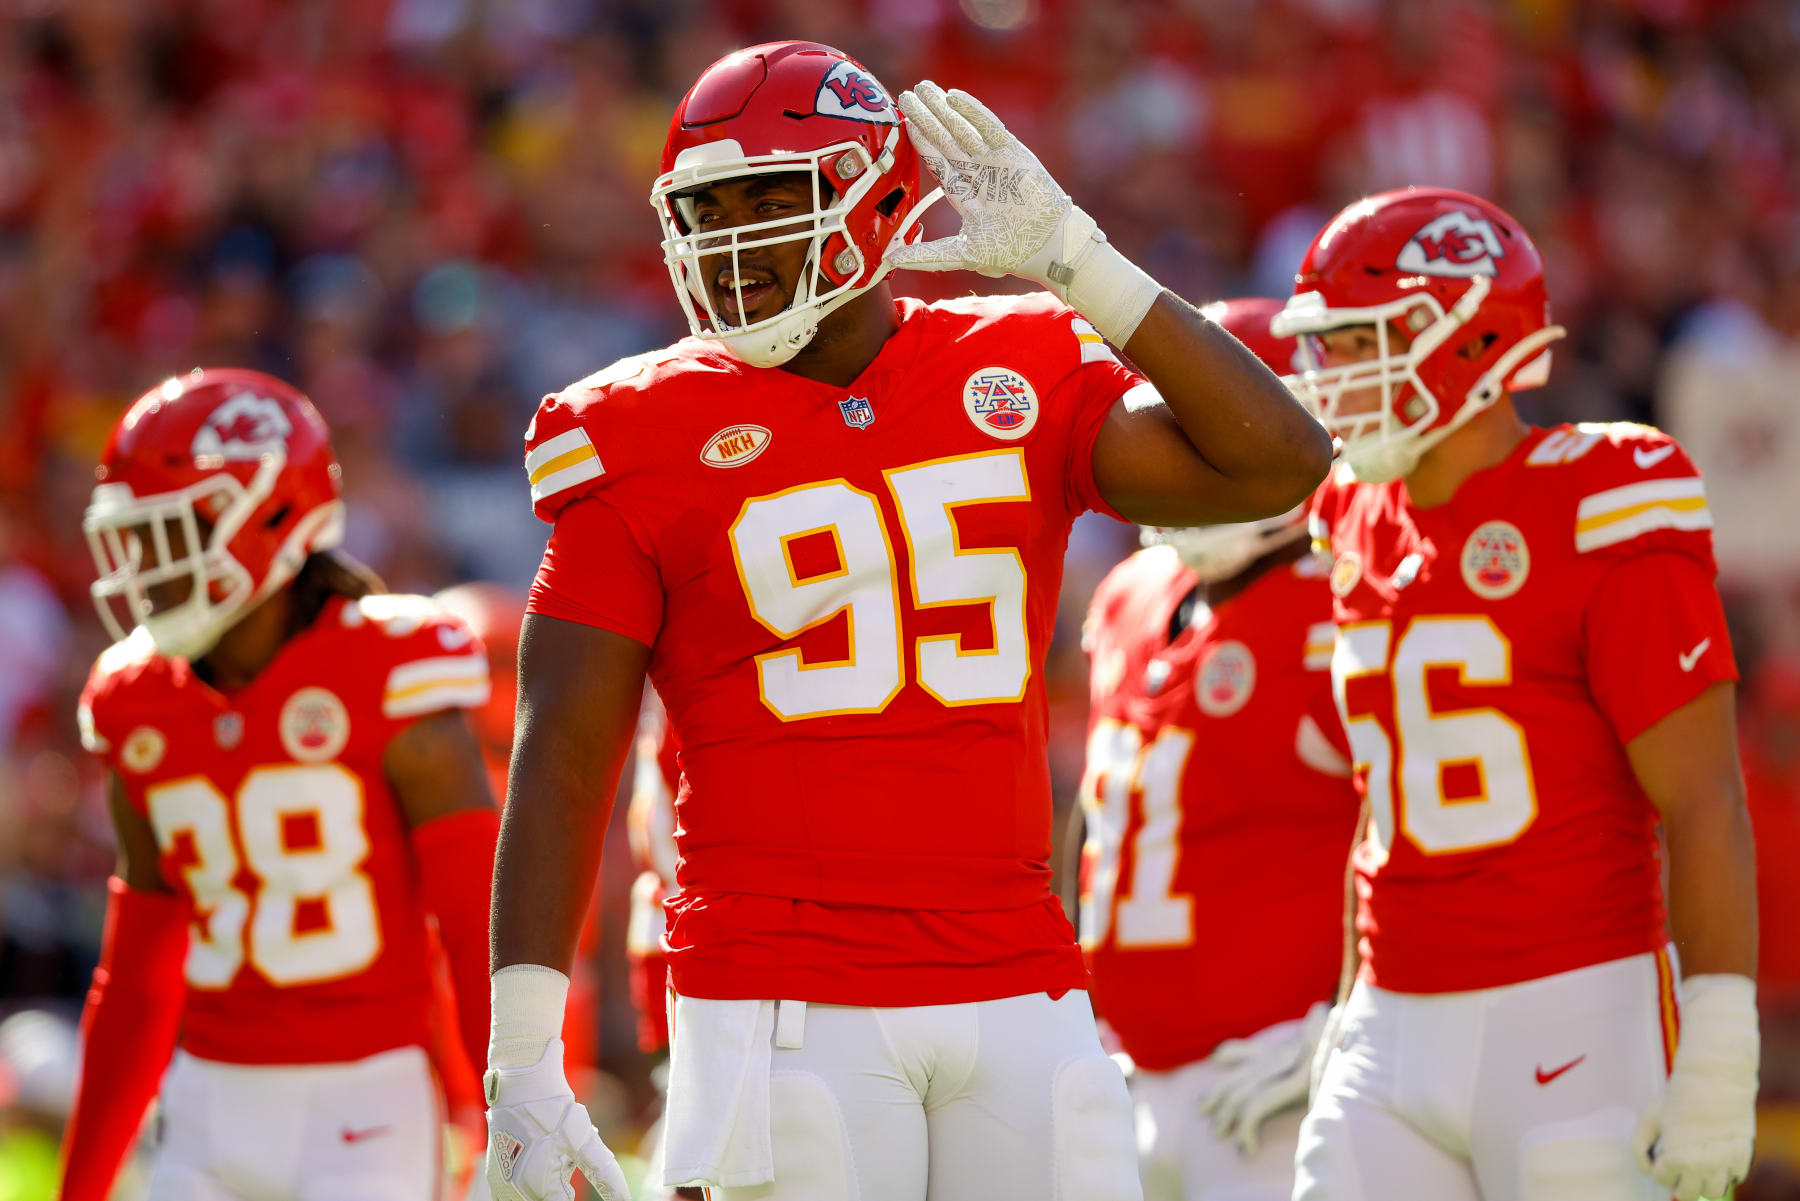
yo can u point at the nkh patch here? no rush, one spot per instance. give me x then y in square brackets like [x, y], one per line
[858, 412]
[735, 445]
[143, 749]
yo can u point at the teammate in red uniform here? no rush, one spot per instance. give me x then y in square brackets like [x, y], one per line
[1213, 786]
[1533, 670]
[294, 788]
[831, 526]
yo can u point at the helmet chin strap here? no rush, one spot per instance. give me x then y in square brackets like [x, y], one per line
[777, 344]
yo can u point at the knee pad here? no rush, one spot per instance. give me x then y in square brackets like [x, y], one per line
[1092, 1126]
[1589, 1158]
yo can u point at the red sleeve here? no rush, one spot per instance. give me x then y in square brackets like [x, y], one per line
[455, 855]
[128, 1032]
[1656, 639]
[597, 572]
[1098, 384]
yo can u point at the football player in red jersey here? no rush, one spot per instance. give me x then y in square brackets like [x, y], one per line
[831, 526]
[1215, 783]
[1534, 673]
[294, 788]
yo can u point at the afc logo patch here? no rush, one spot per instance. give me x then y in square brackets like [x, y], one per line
[1001, 403]
[1495, 560]
[1226, 679]
[314, 725]
[246, 427]
[858, 413]
[1453, 244]
[850, 92]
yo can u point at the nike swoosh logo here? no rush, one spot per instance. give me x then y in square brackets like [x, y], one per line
[368, 1132]
[1647, 459]
[452, 638]
[1544, 1077]
[1692, 657]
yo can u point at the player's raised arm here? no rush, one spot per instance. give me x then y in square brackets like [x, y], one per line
[133, 1010]
[1229, 443]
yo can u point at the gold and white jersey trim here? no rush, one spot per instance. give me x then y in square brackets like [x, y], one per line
[1621, 514]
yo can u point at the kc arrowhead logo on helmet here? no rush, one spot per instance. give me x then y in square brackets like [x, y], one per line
[247, 426]
[847, 92]
[1453, 244]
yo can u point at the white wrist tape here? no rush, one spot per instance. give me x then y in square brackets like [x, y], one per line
[527, 1004]
[1718, 1024]
[1090, 275]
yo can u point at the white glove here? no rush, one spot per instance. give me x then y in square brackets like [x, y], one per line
[538, 1133]
[1699, 1143]
[1264, 1074]
[1016, 219]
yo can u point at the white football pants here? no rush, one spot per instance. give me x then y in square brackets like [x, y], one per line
[1180, 1157]
[993, 1099]
[362, 1131]
[1531, 1092]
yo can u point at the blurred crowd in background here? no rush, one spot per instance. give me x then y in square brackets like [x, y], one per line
[427, 213]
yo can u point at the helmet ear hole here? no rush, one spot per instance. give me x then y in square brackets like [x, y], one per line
[1474, 348]
[887, 204]
[278, 517]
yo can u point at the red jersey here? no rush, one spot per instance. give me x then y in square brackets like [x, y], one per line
[1494, 656]
[848, 593]
[651, 824]
[273, 817]
[1219, 812]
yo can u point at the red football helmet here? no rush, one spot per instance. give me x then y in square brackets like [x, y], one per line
[772, 109]
[495, 613]
[1218, 552]
[221, 479]
[1454, 290]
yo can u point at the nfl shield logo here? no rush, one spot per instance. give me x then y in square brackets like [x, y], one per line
[858, 413]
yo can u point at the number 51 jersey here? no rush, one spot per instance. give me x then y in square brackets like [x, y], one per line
[1495, 654]
[848, 593]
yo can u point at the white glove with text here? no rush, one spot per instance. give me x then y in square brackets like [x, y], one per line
[1699, 1142]
[1016, 219]
[1264, 1074]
